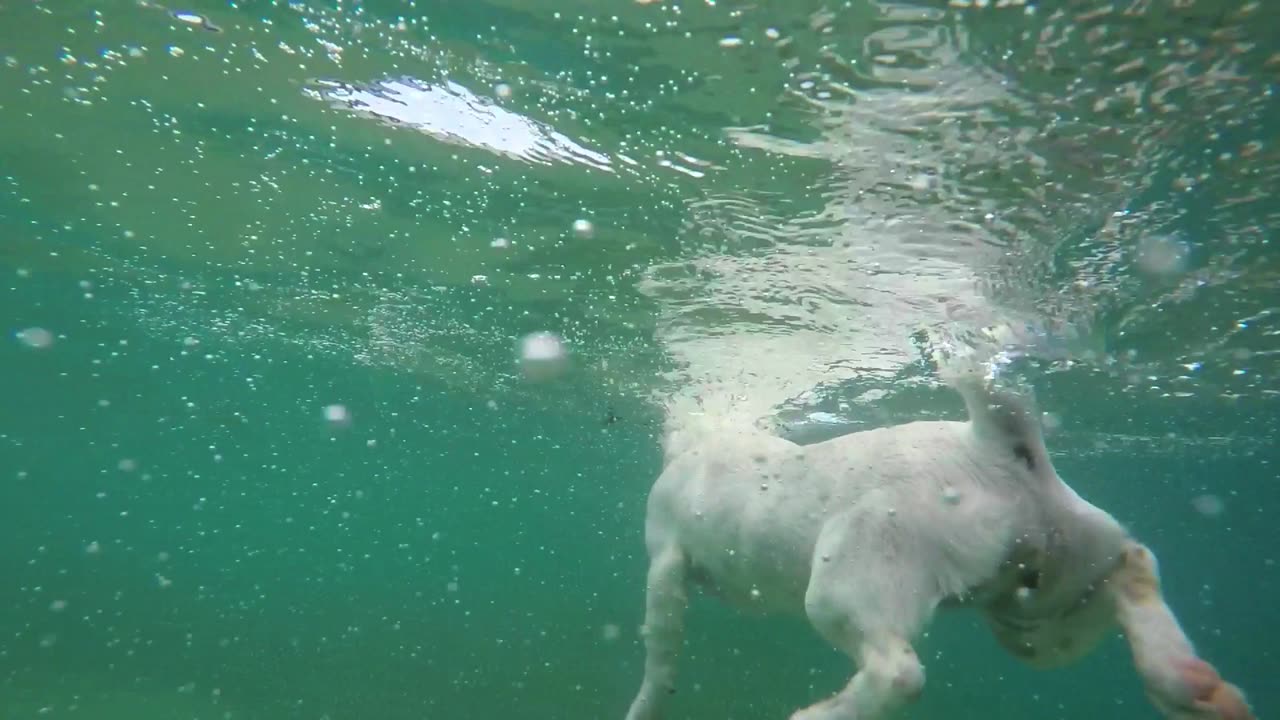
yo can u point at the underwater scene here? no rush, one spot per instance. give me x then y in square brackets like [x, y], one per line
[345, 339]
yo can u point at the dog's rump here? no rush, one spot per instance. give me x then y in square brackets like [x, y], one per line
[692, 419]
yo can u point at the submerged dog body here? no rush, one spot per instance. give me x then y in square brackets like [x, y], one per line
[911, 517]
[867, 534]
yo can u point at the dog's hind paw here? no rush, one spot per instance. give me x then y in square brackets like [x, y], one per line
[1229, 703]
[1202, 694]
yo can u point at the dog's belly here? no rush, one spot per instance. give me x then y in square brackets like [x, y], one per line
[761, 569]
[747, 520]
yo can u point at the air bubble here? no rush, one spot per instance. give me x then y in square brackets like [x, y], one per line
[583, 228]
[1208, 505]
[337, 416]
[35, 337]
[923, 183]
[543, 356]
[1162, 256]
[189, 18]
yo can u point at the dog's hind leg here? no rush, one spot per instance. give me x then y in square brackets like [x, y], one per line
[1178, 682]
[665, 601]
[869, 596]
[889, 675]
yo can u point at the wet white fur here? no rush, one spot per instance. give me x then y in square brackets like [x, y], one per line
[868, 534]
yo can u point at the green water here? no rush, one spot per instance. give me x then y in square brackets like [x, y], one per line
[202, 247]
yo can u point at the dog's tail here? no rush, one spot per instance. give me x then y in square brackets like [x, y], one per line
[998, 412]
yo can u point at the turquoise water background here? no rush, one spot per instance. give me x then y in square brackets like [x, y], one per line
[219, 220]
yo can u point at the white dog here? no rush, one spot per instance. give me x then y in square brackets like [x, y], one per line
[868, 533]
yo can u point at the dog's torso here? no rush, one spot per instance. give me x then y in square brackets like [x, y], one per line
[994, 528]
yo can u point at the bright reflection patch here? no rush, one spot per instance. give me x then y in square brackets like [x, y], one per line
[453, 114]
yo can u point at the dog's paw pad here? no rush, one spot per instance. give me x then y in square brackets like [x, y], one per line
[1198, 691]
[1229, 703]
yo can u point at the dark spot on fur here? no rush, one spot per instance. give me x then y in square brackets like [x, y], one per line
[1030, 579]
[1023, 453]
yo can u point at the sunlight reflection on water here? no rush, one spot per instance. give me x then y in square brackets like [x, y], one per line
[451, 113]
